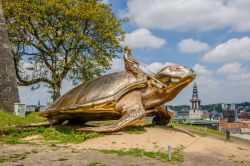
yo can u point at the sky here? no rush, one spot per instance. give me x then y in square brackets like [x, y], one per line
[210, 36]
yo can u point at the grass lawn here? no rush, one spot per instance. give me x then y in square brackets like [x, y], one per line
[199, 128]
[7, 119]
[11, 134]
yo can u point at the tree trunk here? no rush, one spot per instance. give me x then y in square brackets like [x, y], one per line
[56, 91]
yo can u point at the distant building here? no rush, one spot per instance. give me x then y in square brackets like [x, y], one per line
[227, 107]
[35, 108]
[214, 115]
[224, 125]
[229, 112]
[31, 108]
[244, 115]
[205, 115]
[230, 115]
[195, 111]
[234, 119]
[183, 113]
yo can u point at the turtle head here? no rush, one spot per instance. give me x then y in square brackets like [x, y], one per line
[175, 77]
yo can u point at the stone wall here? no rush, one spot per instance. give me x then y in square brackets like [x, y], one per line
[8, 85]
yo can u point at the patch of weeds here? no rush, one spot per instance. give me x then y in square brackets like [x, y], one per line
[170, 126]
[95, 164]
[155, 145]
[136, 130]
[145, 122]
[177, 155]
[13, 157]
[202, 134]
[55, 149]
[10, 140]
[68, 135]
[63, 159]
[53, 145]
[240, 148]
[4, 159]
[18, 156]
[34, 151]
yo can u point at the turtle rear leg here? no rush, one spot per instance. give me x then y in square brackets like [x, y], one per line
[132, 112]
[46, 123]
[162, 116]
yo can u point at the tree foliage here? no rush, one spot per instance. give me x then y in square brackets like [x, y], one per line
[53, 40]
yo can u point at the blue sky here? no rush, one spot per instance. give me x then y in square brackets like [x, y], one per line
[210, 36]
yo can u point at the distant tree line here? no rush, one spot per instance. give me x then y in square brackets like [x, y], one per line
[210, 107]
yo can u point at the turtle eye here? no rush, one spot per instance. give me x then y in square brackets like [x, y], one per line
[165, 80]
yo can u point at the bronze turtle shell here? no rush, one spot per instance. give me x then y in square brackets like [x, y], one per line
[102, 92]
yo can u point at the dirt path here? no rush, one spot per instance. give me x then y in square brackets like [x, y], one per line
[200, 151]
[44, 155]
[154, 139]
[207, 151]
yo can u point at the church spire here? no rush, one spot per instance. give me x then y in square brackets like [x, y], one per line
[195, 92]
[195, 98]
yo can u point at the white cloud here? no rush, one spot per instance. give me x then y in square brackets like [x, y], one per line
[201, 70]
[231, 68]
[235, 72]
[192, 14]
[157, 66]
[230, 51]
[207, 82]
[192, 46]
[117, 65]
[143, 38]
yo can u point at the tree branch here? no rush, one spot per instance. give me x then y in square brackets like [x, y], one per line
[23, 82]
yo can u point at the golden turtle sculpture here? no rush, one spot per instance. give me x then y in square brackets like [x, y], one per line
[126, 96]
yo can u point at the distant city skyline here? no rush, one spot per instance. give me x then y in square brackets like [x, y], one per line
[210, 36]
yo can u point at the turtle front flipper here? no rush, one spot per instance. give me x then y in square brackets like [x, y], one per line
[127, 120]
[162, 116]
[132, 112]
